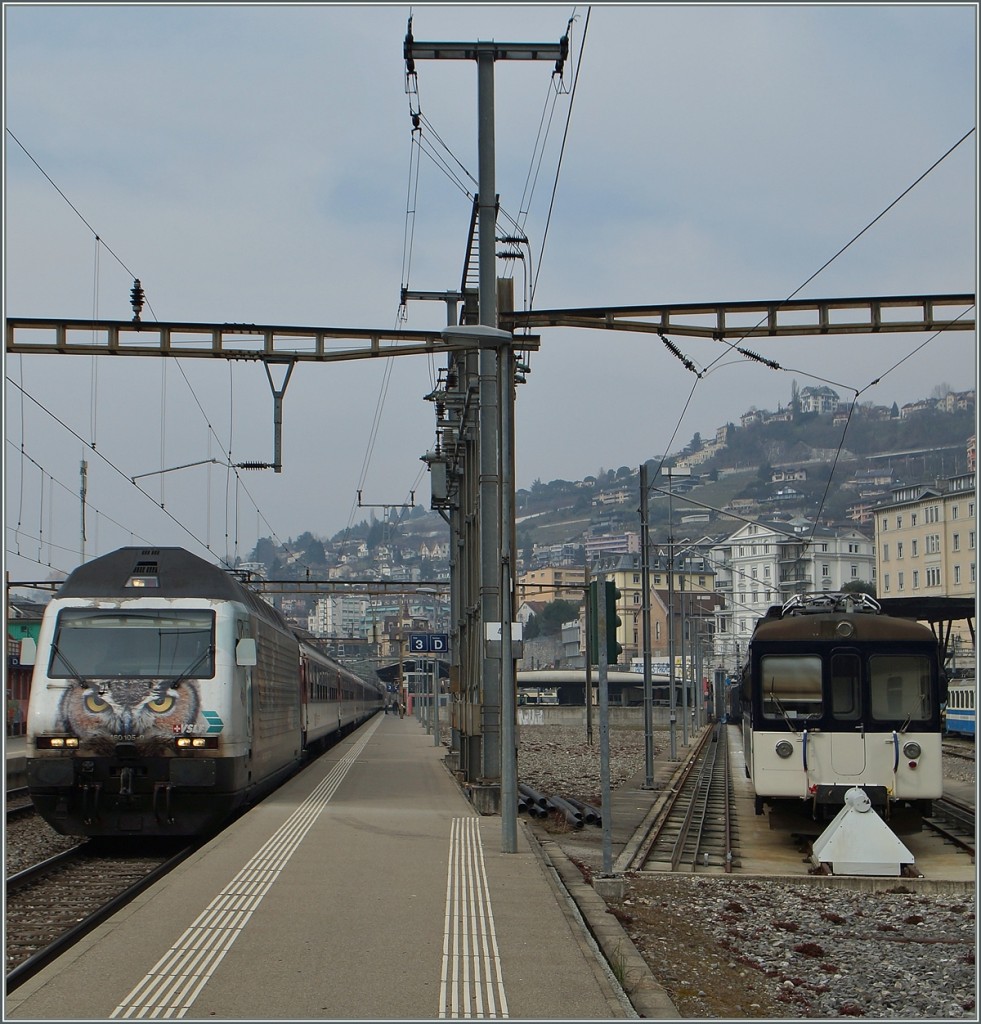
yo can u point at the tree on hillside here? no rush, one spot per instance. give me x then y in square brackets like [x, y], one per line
[265, 551]
[312, 549]
[376, 534]
[549, 621]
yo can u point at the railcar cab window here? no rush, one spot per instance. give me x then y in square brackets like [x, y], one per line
[846, 675]
[150, 644]
[900, 686]
[791, 686]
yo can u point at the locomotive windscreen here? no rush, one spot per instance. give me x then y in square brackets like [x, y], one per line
[151, 644]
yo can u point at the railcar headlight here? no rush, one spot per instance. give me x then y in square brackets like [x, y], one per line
[784, 748]
[912, 749]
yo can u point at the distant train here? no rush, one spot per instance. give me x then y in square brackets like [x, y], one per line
[835, 694]
[166, 696]
[960, 714]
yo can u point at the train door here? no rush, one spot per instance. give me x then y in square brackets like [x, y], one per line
[245, 659]
[847, 731]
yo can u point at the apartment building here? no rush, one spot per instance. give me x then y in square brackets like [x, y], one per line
[926, 540]
[552, 583]
[693, 591]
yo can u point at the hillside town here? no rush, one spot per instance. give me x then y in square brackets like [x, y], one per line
[730, 541]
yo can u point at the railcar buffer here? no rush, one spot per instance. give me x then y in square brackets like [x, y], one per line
[859, 842]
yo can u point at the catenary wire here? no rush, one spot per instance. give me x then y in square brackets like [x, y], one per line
[734, 345]
[100, 242]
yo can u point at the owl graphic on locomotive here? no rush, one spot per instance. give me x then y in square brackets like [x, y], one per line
[166, 696]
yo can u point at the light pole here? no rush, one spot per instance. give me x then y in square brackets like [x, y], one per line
[671, 472]
[645, 576]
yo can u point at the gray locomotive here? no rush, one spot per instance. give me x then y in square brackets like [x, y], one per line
[166, 696]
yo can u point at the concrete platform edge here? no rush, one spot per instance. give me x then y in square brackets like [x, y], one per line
[646, 995]
[629, 972]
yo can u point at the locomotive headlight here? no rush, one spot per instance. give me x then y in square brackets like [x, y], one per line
[55, 742]
[912, 749]
[196, 742]
[784, 748]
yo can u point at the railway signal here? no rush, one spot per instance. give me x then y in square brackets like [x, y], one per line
[610, 596]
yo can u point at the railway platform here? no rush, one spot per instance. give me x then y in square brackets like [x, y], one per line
[367, 887]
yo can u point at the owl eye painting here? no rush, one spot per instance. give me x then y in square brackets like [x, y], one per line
[148, 713]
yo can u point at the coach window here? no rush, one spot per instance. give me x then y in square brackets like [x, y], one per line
[900, 686]
[791, 686]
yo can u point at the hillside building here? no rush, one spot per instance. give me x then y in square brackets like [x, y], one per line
[552, 583]
[612, 544]
[926, 540]
[821, 400]
[764, 564]
[339, 615]
[694, 599]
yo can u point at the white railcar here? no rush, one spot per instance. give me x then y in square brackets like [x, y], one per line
[837, 695]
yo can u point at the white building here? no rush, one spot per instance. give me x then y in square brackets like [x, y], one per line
[821, 400]
[764, 564]
[339, 615]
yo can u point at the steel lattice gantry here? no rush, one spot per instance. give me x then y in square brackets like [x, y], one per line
[768, 318]
[777, 318]
[260, 342]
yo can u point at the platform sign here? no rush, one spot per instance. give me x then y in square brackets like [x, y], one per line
[429, 643]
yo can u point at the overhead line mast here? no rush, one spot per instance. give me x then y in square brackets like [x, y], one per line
[491, 696]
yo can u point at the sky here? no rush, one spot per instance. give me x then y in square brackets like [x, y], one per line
[256, 164]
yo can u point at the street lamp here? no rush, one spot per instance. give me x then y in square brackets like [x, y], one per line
[670, 472]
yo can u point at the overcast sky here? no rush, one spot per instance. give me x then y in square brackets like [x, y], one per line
[253, 164]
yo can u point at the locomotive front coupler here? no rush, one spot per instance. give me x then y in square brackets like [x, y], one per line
[166, 788]
[93, 790]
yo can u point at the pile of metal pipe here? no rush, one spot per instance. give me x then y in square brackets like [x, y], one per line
[531, 801]
[572, 814]
[537, 805]
[591, 815]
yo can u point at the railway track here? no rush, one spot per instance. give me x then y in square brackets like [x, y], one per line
[955, 822]
[18, 803]
[52, 905]
[695, 830]
[963, 749]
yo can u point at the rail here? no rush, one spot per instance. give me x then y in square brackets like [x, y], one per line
[955, 822]
[58, 938]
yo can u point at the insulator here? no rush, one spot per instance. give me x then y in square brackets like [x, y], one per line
[758, 358]
[136, 298]
[253, 465]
